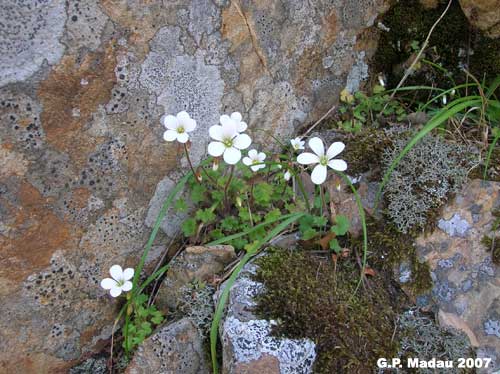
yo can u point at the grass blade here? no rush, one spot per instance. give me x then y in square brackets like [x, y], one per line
[214, 330]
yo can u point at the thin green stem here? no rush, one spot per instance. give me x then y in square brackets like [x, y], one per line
[303, 191]
[190, 163]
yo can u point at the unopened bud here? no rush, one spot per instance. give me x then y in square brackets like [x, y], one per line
[239, 203]
[215, 164]
[198, 175]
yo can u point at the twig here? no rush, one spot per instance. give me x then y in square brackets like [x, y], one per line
[319, 121]
[419, 55]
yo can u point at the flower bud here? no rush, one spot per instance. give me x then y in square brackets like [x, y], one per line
[198, 175]
[239, 202]
[215, 164]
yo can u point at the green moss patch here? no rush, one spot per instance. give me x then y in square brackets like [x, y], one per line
[311, 298]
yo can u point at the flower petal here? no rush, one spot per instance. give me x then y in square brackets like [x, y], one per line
[183, 116]
[318, 175]
[316, 144]
[170, 135]
[116, 272]
[242, 126]
[183, 137]
[127, 286]
[189, 125]
[339, 165]
[232, 156]
[242, 141]
[247, 161]
[215, 132]
[108, 283]
[170, 122]
[252, 154]
[335, 149]
[257, 167]
[216, 149]
[307, 158]
[287, 175]
[115, 291]
[261, 156]
[225, 120]
[236, 116]
[128, 274]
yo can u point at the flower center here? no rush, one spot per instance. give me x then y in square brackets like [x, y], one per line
[180, 129]
[323, 160]
[120, 282]
[228, 142]
[255, 162]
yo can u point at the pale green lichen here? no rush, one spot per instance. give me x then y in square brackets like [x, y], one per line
[424, 179]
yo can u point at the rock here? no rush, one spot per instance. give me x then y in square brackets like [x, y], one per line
[247, 344]
[466, 287]
[176, 348]
[84, 166]
[193, 264]
[484, 15]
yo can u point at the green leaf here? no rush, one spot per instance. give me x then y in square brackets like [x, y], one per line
[180, 205]
[334, 245]
[205, 215]
[198, 193]
[189, 227]
[216, 234]
[262, 193]
[341, 226]
[309, 234]
[272, 215]
[229, 223]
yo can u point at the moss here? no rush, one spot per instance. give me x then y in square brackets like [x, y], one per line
[313, 299]
[365, 151]
[409, 21]
[389, 248]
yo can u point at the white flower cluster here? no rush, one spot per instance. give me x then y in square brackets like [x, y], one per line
[229, 139]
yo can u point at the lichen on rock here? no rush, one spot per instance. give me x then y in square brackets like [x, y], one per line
[424, 178]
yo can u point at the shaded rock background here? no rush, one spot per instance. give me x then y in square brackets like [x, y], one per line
[82, 88]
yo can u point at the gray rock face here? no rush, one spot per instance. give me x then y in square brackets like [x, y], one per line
[83, 85]
[466, 290]
[176, 349]
[29, 34]
[248, 346]
[194, 264]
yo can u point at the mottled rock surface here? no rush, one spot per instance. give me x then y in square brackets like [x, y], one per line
[483, 14]
[247, 344]
[466, 283]
[197, 263]
[84, 168]
[176, 348]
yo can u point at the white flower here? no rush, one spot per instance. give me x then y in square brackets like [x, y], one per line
[322, 159]
[254, 160]
[228, 140]
[178, 127]
[236, 118]
[287, 175]
[297, 143]
[119, 281]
